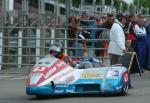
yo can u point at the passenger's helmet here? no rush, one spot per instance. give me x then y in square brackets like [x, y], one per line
[56, 49]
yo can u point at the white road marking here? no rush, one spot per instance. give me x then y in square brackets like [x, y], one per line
[5, 76]
[18, 78]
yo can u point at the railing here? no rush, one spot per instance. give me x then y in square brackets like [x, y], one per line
[26, 45]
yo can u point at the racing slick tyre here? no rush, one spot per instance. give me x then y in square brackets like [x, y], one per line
[124, 90]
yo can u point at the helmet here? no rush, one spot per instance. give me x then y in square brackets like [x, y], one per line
[56, 49]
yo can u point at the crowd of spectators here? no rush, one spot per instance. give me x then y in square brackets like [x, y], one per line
[80, 27]
[133, 29]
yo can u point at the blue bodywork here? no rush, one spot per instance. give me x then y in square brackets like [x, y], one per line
[111, 86]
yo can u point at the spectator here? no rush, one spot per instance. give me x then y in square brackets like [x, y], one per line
[84, 18]
[78, 52]
[98, 44]
[109, 21]
[99, 22]
[103, 19]
[117, 39]
[148, 47]
[108, 24]
[141, 41]
[73, 28]
[84, 22]
[141, 16]
[130, 33]
[73, 33]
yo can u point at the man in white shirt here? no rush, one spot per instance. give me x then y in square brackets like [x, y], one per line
[117, 39]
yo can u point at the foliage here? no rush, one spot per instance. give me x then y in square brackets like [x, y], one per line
[144, 3]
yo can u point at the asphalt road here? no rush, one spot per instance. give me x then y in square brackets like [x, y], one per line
[12, 90]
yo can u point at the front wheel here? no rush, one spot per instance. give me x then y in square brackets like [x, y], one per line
[124, 90]
[125, 87]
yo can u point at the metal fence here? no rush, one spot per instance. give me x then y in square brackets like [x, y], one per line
[24, 46]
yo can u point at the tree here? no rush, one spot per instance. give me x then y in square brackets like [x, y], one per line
[144, 3]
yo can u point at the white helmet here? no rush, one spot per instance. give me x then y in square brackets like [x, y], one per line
[57, 48]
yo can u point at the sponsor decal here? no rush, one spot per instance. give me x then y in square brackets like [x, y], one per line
[50, 72]
[60, 64]
[69, 90]
[90, 75]
[63, 74]
[59, 91]
[57, 67]
[69, 79]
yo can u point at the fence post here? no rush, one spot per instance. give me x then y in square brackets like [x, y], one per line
[66, 41]
[37, 45]
[1, 49]
[52, 36]
[19, 49]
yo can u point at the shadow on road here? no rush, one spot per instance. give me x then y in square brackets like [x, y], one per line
[47, 97]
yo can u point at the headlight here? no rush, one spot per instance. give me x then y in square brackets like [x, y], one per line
[112, 74]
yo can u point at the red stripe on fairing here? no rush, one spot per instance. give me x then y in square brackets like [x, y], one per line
[52, 70]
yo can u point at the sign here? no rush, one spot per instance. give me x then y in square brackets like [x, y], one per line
[130, 61]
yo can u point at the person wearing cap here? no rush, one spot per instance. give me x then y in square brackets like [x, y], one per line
[116, 46]
[140, 32]
[85, 16]
[84, 22]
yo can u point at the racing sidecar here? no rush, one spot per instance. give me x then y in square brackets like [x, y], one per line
[51, 76]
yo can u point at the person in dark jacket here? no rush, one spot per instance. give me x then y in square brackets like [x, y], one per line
[148, 47]
[109, 21]
[130, 33]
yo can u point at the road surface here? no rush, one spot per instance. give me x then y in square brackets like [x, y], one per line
[12, 90]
